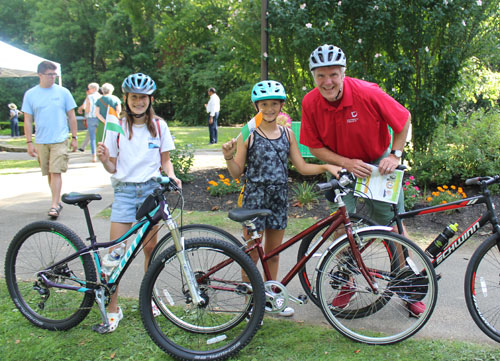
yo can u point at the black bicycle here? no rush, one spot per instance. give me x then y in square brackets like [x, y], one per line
[482, 277]
[54, 278]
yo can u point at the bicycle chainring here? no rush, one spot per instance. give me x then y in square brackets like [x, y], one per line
[276, 297]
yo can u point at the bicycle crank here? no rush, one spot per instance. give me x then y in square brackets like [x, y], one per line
[276, 297]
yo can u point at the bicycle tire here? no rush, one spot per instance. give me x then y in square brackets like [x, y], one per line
[307, 274]
[482, 287]
[384, 322]
[36, 247]
[194, 231]
[216, 330]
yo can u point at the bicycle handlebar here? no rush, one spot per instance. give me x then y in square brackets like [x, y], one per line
[478, 180]
[344, 180]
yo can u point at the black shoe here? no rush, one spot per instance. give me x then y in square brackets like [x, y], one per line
[81, 149]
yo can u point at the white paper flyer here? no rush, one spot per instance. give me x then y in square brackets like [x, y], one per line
[385, 188]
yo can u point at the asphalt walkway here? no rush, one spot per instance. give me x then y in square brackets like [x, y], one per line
[25, 197]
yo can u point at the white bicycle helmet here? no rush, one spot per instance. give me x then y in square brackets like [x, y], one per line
[268, 89]
[139, 83]
[326, 55]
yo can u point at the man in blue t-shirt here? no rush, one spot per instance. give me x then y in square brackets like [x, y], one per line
[51, 107]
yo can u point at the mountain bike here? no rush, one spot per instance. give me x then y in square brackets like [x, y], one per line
[364, 262]
[54, 278]
[482, 276]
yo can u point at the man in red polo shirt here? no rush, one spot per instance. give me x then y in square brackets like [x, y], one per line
[345, 122]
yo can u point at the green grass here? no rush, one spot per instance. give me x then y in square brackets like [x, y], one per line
[276, 340]
[16, 164]
[198, 136]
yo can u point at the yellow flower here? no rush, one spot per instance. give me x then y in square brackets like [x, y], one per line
[443, 202]
[221, 176]
[429, 199]
[460, 190]
[453, 187]
[445, 187]
[440, 189]
[213, 183]
[237, 181]
[208, 188]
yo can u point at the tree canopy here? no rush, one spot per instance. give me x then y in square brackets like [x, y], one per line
[427, 53]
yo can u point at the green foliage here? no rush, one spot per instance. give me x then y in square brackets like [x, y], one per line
[459, 151]
[305, 195]
[223, 186]
[412, 194]
[182, 158]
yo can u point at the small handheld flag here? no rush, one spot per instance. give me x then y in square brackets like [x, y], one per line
[112, 123]
[250, 127]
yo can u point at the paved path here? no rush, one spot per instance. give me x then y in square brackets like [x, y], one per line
[25, 197]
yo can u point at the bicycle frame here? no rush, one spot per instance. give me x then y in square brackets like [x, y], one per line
[488, 216]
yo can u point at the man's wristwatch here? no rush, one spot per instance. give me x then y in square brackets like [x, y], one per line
[74, 137]
[398, 153]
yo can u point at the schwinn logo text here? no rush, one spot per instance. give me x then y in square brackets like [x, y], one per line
[453, 247]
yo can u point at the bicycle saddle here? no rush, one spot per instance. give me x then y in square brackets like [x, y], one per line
[74, 198]
[244, 214]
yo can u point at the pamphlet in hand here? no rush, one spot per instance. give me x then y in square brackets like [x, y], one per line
[385, 188]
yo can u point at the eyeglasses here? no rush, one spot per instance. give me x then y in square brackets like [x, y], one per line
[50, 74]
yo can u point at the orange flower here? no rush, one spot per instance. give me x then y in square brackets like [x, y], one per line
[237, 181]
[440, 189]
[460, 190]
[453, 187]
[221, 176]
[443, 202]
[449, 193]
[445, 187]
[429, 199]
[213, 183]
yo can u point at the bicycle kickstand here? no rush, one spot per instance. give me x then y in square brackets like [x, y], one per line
[100, 299]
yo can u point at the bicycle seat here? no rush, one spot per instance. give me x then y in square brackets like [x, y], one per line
[244, 214]
[75, 198]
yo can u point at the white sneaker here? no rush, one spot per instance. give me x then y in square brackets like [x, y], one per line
[287, 312]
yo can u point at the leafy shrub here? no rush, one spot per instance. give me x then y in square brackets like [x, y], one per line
[182, 158]
[411, 193]
[224, 186]
[305, 195]
[445, 195]
[237, 106]
[466, 149]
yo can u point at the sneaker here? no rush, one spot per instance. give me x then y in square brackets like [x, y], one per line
[81, 149]
[416, 308]
[287, 312]
[344, 296]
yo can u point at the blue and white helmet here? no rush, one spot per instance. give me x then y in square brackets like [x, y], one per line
[268, 89]
[327, 55]
[139, 83]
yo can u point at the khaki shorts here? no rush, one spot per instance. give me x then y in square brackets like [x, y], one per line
[53, 158]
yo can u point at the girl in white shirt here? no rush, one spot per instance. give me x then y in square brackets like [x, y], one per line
[134, 160]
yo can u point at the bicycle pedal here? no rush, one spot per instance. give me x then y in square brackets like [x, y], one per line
[303, 298]
[101, 328]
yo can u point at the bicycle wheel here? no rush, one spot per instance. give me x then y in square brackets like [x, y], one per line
[308, 273]
[482, 287]
[194, 231]
[382, 317]
[217, 329]
[35, 248]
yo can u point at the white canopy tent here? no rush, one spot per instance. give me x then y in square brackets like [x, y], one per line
[15, 63]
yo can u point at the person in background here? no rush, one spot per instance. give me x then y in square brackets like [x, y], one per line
[107, 99]
[91, 111]
[52, 107]
[213, 109]
[80, 110]
[14, 121]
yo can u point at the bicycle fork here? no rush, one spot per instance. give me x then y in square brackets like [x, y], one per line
[186, 269]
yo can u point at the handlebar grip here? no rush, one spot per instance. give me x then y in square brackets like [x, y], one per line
[472, 181]
[325, 186]
[163, 180]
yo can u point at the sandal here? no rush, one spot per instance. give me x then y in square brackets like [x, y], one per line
[114, 319]
[55, 212]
